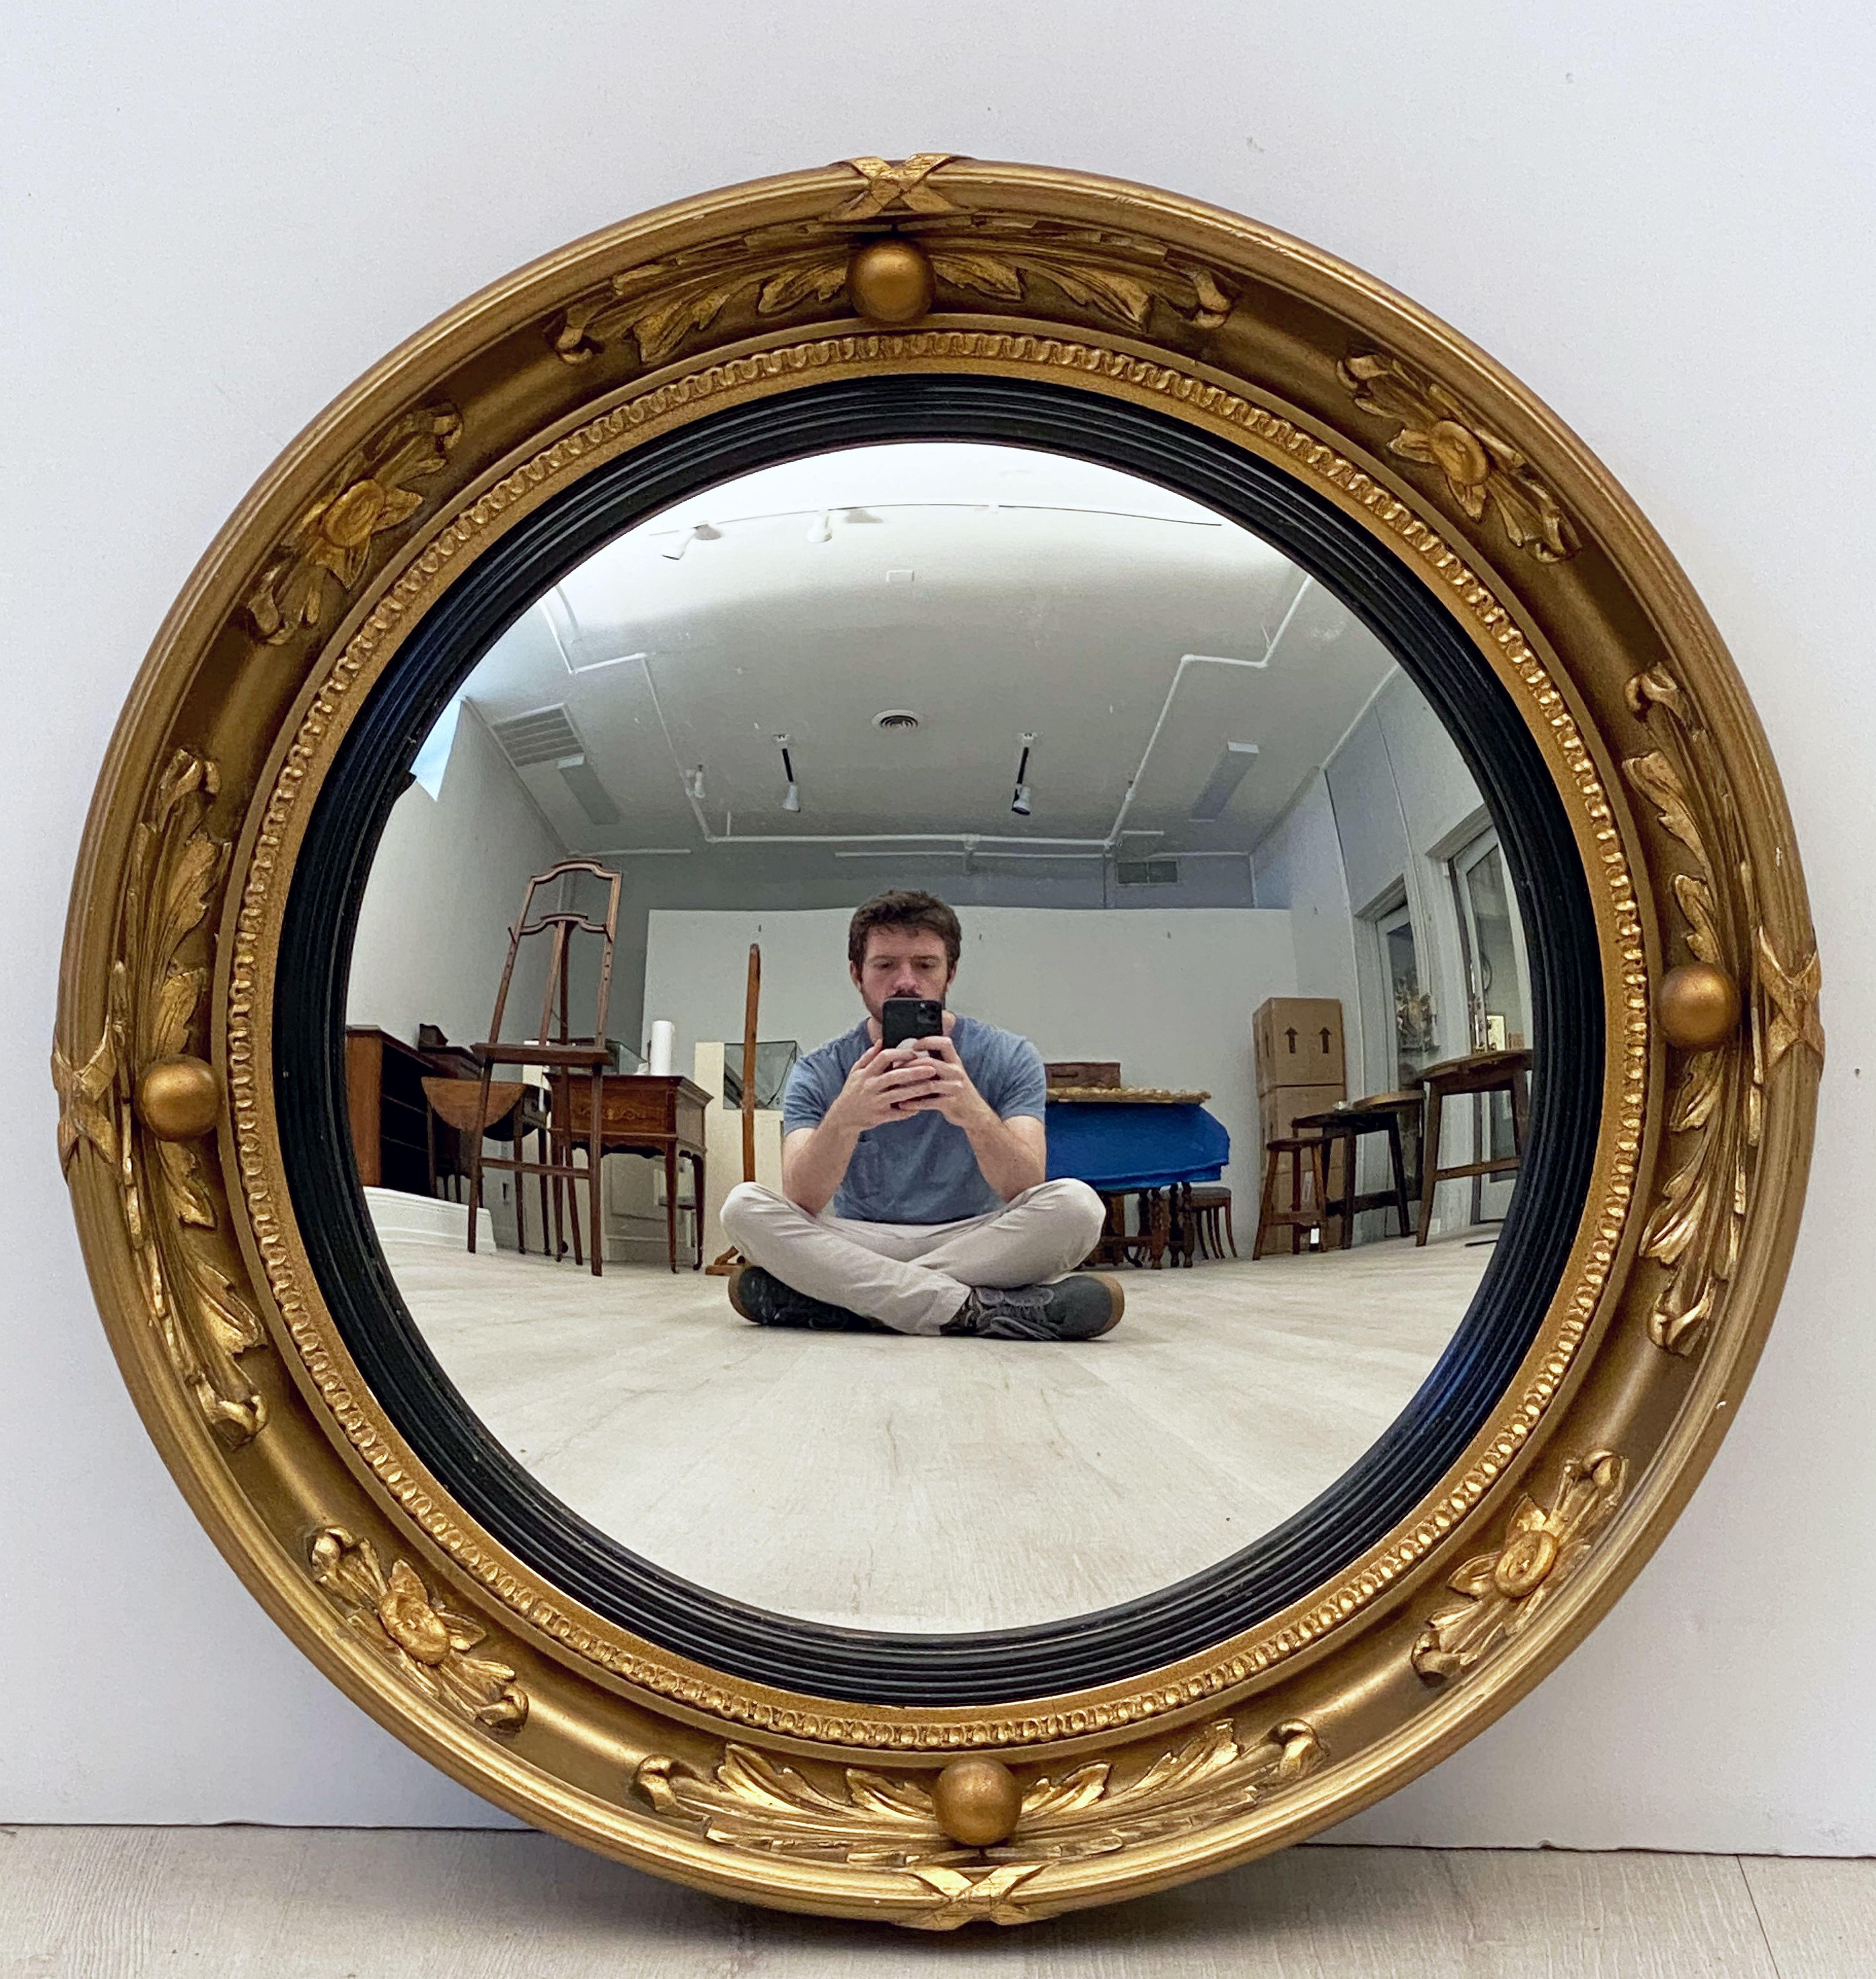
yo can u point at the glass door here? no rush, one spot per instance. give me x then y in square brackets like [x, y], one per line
[1415, 1046]
[1414, 1034]
[1497, 997]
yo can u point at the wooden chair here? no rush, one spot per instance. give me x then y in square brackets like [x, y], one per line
[1210, 1203]
[1484, 1072]
[509, 1109]
[555, 1048]
[1305, 1209]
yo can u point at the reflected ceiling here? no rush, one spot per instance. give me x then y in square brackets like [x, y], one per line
[643, 700]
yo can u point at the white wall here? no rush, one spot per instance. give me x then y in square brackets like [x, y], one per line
[448, 879]
[1168, 992]
[218, 218]
[1299, 866]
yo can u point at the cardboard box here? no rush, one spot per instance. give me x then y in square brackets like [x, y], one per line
[1298, 1041]
[1285, 1104]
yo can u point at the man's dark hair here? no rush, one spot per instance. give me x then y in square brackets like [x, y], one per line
[906, 910]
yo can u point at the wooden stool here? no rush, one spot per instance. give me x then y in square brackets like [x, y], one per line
[1294, 1216]
[1484, 1072]
[1345, 1126]
[504, 1109]
[1211, 1205]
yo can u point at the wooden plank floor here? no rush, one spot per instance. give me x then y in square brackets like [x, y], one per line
[255, 1903]
[933, 1474]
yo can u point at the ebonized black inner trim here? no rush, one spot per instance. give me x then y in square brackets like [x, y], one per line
[1003, 1665]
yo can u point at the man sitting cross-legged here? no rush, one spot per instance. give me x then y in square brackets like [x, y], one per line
[914, 1197]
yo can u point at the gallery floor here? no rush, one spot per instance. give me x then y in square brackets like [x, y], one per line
[255, 1903]
[889, 1482]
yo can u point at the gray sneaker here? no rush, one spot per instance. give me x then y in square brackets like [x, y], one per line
[1082, 1307]
[763, 1300]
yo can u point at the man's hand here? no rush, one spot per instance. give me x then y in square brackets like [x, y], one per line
[950, 1092]
[925, 1076]
[1011, 1153]
[885, 1085]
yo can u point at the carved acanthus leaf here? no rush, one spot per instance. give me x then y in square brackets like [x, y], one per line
[174, 870]
[1118, 276]
[1100, 273]
[1696, 1227]
[752, 1802]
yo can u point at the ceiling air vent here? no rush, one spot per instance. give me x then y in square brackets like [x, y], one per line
[1147, 872]
[545, 736]
[896, 720]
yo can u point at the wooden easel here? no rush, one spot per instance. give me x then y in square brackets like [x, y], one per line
[732, 1259]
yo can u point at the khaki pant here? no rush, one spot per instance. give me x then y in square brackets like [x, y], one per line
[914, 1277]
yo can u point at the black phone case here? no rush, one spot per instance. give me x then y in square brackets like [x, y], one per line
[901, 1018]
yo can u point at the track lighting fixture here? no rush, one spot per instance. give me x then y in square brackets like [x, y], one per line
[674, 547]
[1020, 801]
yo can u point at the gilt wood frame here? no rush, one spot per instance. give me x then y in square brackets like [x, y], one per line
[169, 1142]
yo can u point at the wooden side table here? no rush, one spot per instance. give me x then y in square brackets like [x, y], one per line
[1347, 1125]
[640, 1113]
[1482, 1071]
[393, 1140]
[506, 1110]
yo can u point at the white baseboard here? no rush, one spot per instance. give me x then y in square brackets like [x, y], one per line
[426, 1219]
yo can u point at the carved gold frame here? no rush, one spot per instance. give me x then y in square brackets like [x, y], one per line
[932, 1817]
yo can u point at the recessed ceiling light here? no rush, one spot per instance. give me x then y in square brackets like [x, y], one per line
[897, 719]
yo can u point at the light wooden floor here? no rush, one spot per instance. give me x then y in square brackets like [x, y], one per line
[252, 1903]
[944, 1484]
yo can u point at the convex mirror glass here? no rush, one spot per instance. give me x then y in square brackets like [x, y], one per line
[1211, 853]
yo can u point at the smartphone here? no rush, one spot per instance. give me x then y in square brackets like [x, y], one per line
[901, 1018]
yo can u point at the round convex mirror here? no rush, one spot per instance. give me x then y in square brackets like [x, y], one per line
[1353, 1033]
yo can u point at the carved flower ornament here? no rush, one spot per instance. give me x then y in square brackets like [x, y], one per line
[1541, 1550]
[1480, 466]
[333, 538]
[428, 1645]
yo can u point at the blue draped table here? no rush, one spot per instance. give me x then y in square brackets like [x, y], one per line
[1155, 1149]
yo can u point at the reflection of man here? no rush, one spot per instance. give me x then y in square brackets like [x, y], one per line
[912, 1193]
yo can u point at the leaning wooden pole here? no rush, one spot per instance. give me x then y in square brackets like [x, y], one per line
[752, 997]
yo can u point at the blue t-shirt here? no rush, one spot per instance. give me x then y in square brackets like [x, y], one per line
[920, 1169]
